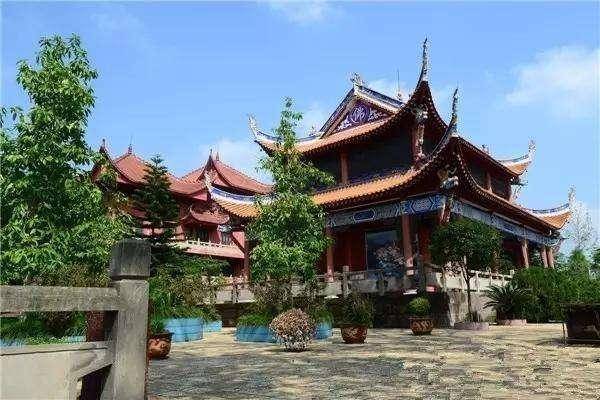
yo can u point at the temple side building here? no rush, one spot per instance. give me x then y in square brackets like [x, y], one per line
[204, 227]
[400, 170]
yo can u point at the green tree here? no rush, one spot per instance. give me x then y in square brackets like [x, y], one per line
[159, 208]
[466, 246]
[53, 215]
[595, 267]
[289, 229]
[578, 262]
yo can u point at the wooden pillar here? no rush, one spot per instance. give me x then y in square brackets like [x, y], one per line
[406, 242]
[344, 167]
[525, 253]
[246, 266]
[550, 256]
[329, 256]
[544, 256]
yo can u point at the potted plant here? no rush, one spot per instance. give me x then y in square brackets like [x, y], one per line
[420, 321]
[159, 339]
[294, 328]
[509, 303]
[357, 317]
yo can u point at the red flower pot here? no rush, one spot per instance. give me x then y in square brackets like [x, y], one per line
[421, 325]
[354, 334]
[159, 345]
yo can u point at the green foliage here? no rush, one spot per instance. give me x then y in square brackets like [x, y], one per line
[552, 289]
[289, 230]
[38, 328]
[254, 319]
[578, 263]
[157, 325]
[357, 310]
[157, 203]
[466, 245]
[53, 215]
[509, 300]
[419, 307]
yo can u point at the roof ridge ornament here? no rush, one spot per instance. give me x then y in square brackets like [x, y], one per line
[253, 125]
[356, 80]
[424, 77]
[454, 118]
[531, 148]
[571, 197]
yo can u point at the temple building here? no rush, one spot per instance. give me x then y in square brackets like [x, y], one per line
[204, 227]
[400, 170]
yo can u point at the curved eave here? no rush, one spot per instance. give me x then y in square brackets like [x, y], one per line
[489, 158]
[547, 223]
[557, 217]
[518, 165]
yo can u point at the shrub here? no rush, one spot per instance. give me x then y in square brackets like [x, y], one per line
[551, 289]
[294, 328]
[254, 319]
[419, 307]
[508, 301]
[157, 325]
[357, 310]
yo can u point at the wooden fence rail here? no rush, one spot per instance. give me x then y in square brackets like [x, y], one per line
[52, 371]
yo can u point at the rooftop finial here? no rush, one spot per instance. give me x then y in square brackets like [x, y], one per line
[356, 79]
[103, 144]
[531, 146]
[253, 125]
[217, 156]
[571, 196]
[454, 118]
[424, 62]
[130, 148]
[398, 91]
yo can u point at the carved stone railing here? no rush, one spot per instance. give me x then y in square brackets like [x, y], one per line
[52, 371]
[374, 281]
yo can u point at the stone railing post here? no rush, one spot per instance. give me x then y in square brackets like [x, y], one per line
[345, 288]
[129, 271]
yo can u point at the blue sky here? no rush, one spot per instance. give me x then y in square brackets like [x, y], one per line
[180, 78]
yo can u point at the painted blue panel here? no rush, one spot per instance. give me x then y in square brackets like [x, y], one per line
[184, 329]
[254, 334]
[212, 326]
[324, 330]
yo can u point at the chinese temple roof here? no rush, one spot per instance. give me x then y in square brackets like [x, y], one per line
[226, 176]
[451, 146]
[520, 164]
[131, 170]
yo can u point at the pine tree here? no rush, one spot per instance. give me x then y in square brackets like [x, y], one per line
[159, 208]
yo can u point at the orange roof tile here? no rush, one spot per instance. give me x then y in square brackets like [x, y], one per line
[241, 209]
[227, 176]
[364, 189]
[133, 168]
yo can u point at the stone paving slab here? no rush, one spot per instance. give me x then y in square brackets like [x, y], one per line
[504, 363]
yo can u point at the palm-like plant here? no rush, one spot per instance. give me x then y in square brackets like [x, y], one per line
[509, 300]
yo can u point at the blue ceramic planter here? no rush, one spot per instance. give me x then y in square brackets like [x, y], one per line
[324, 330]
[185, 329]
[212, 326]
[254, 334]
[11, 343]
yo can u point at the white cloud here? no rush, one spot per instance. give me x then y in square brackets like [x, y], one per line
[565, 79]
[242, 154]
[115, 21]
[302, 12]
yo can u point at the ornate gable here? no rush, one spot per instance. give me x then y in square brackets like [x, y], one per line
[361, 113]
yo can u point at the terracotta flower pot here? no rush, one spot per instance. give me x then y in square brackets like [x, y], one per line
[353, 334]
[159, 345]
[421, 325]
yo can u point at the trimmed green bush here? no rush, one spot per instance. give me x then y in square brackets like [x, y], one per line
[357, 310]
[419, 307]
[254, 319]
[508, 301]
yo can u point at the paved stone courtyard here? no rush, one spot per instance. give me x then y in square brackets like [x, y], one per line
[505, 363]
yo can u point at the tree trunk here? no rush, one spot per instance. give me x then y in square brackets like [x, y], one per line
[468, 282]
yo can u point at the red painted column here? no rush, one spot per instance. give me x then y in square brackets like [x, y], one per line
[550, 256]
[344, 167]
[406, 242]
[246, 267]
[544, 256]
[329, 256]
[525, 253]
